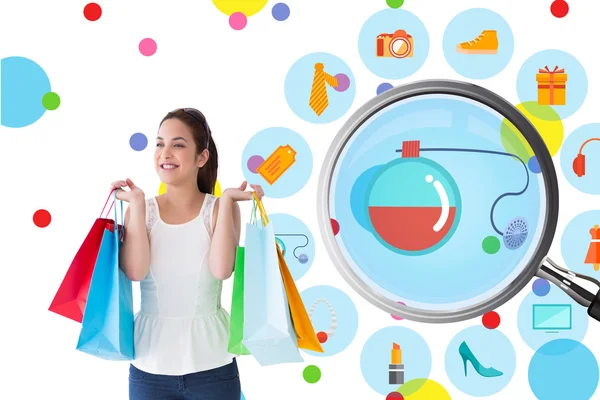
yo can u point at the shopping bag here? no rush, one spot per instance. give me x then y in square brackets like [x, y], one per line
[107, 326]
[236, 320]
[268, 331]
[70, 299]
[305, 333]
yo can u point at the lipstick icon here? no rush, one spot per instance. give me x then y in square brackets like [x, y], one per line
[396, 366]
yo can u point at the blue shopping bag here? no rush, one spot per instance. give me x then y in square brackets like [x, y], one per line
[268, 330]
[107, 325]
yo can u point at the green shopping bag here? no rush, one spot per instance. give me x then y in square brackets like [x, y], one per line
[236, 321]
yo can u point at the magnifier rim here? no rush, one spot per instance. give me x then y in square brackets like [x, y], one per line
[423, 88]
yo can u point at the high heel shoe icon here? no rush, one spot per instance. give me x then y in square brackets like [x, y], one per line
[467, 355]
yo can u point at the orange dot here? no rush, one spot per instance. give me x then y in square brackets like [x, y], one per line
[322, 336]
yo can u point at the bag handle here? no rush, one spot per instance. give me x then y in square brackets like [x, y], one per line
[120, 230]
[111, 205]
[261, 209]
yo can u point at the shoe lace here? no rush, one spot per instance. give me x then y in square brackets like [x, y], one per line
[477, 39]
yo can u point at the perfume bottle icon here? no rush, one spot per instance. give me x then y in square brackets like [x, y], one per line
[467, 355]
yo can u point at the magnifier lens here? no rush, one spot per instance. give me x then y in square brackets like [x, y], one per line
[440, 203]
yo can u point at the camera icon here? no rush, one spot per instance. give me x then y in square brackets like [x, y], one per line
[397, 45]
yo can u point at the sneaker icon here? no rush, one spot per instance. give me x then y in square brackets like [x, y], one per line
[485, 43]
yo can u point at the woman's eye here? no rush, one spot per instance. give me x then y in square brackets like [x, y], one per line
[158, 144]
[178, 145]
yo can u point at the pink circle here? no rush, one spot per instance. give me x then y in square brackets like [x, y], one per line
[343, 82]
[254, 162]
[147, 47]
[398, 318]
[238, 21]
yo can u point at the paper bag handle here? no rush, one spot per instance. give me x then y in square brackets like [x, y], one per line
[261, 209]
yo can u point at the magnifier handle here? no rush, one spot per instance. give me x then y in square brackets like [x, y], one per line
[564, 279]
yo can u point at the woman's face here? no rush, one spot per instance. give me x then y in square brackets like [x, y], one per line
[175, 156]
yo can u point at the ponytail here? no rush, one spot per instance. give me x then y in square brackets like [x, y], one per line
[207, 175]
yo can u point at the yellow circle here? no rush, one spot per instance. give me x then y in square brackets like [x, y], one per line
[423, 389]
[544, 119]
[246, 7]
[162, 189]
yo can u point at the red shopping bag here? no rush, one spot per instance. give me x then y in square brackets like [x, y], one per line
[71, 297]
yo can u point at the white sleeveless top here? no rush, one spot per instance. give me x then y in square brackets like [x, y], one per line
[181, 327]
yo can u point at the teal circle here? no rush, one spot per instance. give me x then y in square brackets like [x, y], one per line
[389, 21]
[576, 85]
[491, 349]
[24, 84]
[465, 27]
[563, 369]
[404, 178]
[299, 81]
[587, 183]
[553, 316]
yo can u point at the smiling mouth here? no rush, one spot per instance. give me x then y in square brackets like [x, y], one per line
[168, 167]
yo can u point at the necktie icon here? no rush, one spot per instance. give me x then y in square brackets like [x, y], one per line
[318, 94]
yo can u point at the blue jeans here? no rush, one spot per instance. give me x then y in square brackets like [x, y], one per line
[221, 383]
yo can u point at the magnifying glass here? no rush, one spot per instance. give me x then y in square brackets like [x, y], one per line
[444, 200]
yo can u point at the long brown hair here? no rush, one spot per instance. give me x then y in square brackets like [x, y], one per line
[196, 122]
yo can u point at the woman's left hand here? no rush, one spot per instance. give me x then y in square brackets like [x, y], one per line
[241, 194]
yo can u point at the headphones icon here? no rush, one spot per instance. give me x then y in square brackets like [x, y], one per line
[579, 161]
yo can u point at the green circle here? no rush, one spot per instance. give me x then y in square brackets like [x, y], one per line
[311, 374]
[394, 3]
[51, 101]
[491, 244]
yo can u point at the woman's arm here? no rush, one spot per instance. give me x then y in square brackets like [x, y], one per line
[134, 256]
[226, 237]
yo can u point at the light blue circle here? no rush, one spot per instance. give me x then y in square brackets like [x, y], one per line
[297, 240]
[576, 241]
[401, 183]
[389, 21]
[24, 83]
[375, 357]
[346, 318]
[299, 81]
[576, 85]
[557, 316]
[265, 143]
[243, 397]
[451, 276]
[491, 349]
[467, 26]
[587, 183]
[563, 369]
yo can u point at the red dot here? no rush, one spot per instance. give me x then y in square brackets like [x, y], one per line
[322, 336]
[394, 396]
[335, 226]
[491, 320]
[559, 8]
[92, 12]
[42, 218]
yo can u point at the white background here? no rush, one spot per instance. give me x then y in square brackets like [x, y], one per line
[66, 160]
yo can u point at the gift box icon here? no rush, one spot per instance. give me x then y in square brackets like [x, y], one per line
[552, 86]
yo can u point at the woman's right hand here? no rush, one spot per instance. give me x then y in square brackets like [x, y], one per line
[133, 195]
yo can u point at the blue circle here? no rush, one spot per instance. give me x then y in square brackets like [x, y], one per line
[465, 28]
[563, 369]
[400, 185]
[383, 87]
[534, 165]
[265, 143]
[375, 358]
[243, 397]
[390, 21]
[297, 242]
[588, 182]
[485, 350]
[541, 287]
[280, 11]
[576, 242]
[138, 141]
[24, 83]
[299, 81]
[345, 317]
[553, 316]
[576, 85]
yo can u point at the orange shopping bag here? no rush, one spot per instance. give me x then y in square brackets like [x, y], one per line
[305, 333]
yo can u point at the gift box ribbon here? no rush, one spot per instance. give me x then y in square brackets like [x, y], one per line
[551, 86]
